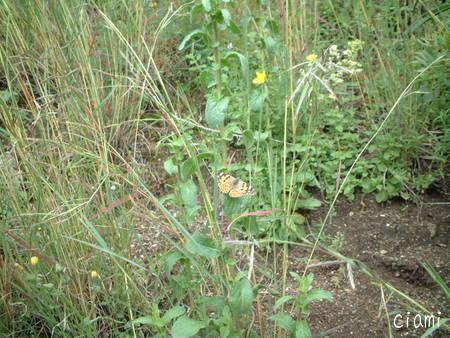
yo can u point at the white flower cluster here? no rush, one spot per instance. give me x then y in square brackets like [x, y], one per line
[340, 63]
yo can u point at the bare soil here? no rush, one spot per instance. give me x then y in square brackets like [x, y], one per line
[392, 239]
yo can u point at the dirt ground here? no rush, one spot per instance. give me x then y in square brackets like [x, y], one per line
[392, 239]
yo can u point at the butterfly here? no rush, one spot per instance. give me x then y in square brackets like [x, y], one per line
[234, 187]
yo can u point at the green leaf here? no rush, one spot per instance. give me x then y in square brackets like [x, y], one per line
[283, 300]
[230, 130]
[202, 245]
[381, 196]
[185, 327]
[257, 100]
[206, 5]
[248, 138]
[305, 282]
[242, 297]
[189, 37]
[284, 320]
[226, 15]
[302, 329]
[212, 303]
[188, 168]
[309, 204]
[261, 137]
[307, 177]
[269, 42]
[146, 320]
[173, 313]
[170, 166]
[205, 156]
[171, 259]
[318, 294]
[242, 60]
[234, 28]
[188, 191]
[215, 111]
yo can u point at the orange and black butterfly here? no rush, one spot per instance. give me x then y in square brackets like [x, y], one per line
[234, 187]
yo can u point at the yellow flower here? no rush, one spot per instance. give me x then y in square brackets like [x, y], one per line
[94, 274]
[34, 260]
[311, 57]
[260, 78]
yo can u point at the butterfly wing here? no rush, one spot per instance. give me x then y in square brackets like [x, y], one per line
[226, 182]
[240, 189]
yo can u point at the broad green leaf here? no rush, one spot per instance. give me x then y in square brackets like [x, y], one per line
[318, 294]
[226, 15]
[257, 99]
[248, 138]
[188, 191]
[269, 42]
[302, 329]
[381, 196]
[242, 297]
[185, 327]
[202, 246]
[170, 167]
[215, 111]
[309, 204]
[284, 320]
[173, 313]
[188, 168]
[283, 300]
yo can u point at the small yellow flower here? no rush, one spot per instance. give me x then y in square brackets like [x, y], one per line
[94, 274]
[260, 78]
[34, 260]
[311, 57]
